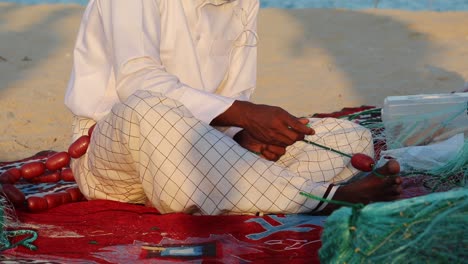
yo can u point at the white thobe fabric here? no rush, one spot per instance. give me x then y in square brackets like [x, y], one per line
[201, 53]
[153, 74]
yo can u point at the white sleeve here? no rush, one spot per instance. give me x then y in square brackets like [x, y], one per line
[90, 92]
[119, 41]
[243, 69]
[135, 31]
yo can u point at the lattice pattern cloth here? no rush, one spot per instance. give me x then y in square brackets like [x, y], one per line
[152, 148]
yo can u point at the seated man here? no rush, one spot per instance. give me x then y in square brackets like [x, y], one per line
[168, 84]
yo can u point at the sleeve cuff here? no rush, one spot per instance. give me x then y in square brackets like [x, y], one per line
[205, 107]
[232, 131]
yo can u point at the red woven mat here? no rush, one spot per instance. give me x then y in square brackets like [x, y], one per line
[112, 232]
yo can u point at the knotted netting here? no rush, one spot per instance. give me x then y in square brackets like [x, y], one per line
[425, 229]
[10, 235]
[430, 144]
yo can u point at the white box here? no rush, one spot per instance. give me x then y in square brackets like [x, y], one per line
[423, 119]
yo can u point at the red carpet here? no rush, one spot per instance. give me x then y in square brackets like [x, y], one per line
[112, 232]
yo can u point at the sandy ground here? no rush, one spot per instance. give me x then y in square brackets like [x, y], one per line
[310, 60]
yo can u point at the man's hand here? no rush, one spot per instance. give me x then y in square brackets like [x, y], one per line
[269, 152]
[273, 125]
[270, 125]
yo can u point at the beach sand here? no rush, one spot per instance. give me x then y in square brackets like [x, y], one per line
[310, 60]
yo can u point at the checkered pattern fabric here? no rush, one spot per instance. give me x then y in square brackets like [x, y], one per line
[151, 148]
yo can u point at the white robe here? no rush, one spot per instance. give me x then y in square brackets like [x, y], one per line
[201, 53]
[153, 74]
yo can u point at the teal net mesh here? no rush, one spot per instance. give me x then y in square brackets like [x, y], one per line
[9, 228]
[425, 229]
[7, 219]
[434, 145]
[426, 127]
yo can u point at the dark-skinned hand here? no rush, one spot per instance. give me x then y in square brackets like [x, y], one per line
[269, 152]
[270, 125]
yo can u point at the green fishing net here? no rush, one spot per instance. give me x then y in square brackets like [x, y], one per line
[425, 229]
[9, 228]
[430, 144]
[425, 127]
[454, 173]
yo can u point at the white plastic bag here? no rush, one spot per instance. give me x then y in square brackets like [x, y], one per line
[424, 158]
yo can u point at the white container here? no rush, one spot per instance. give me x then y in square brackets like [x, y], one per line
[423, 119]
